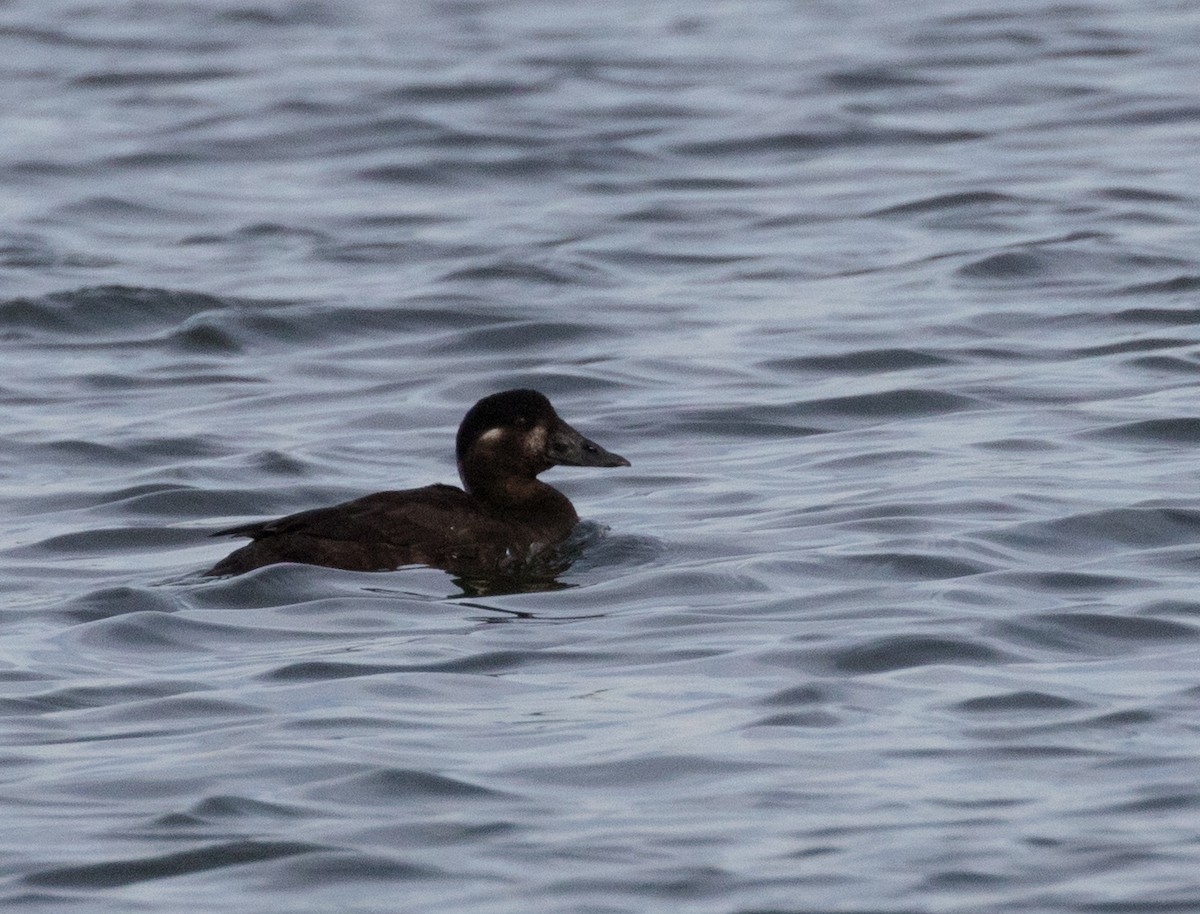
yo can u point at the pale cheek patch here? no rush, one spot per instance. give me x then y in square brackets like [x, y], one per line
[535, 441]
[491, 436]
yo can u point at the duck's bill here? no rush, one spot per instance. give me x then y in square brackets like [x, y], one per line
[569, 448]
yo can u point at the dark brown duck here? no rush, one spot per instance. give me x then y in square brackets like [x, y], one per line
[502, 516]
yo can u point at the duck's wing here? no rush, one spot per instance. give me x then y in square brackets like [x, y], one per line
[384, 517]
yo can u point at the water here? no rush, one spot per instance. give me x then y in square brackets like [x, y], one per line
[894, 309]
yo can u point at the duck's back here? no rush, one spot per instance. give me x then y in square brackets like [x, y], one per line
[437, 525]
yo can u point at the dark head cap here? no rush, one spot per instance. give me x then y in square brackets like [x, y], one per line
[509, 409]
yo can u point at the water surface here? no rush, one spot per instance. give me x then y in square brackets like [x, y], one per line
[894, 310]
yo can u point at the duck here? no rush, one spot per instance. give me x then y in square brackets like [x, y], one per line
[502, 518]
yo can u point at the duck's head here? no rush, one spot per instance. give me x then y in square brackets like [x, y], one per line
[517, 433]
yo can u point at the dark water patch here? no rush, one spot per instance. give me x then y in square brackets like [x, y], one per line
[1079, 259]
[513, 271]
[1017, 445]
[641, 773]
[797, 695]
[1141, 116]
[463, 91]
[117, 601]
[203, 336]
[907, 651]
[1178, 430]
[874, 78]
[1121, 628]
[794, 420]
[326, 670]
[1185, 905]
[276, 234]
[76, 698]
[918, 566]
[487, 664]
[866, 361]
[142, 79]
[1126, 346]
[392, 785]
[1017, 703]
[112, 41]
[343, 868]
[965, 881]
[1144, 527]
[517, 336]
[815, 719]
[818, 141]
[144, 632]
[1166, 365]
[1089, 633]
[976, 200]
[295, 586]
[646, 258]
[297, 135]
[1189, 608]
[103, 312]
[286, 15]
[1138, 195]
[389, 253]
[227, 807]
[1178, 802]
[1070, 581]
[187, 712]
[108, 540]
[1103, 723]
[661, 213]
[1179, 285]
[148, 160]
[1007, 267]
[891, 404]
[738, 422]
[703, 183]
[34, 252]
[406, 174]
[1180, 317]
[95, 455]
[143, 869]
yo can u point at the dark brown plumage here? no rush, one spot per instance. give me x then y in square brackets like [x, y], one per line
[505, 517]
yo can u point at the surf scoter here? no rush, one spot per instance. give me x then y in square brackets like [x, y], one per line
[505, 515]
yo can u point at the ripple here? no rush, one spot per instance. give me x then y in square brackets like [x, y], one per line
[867, 361]
[1085, 633]
[902, 403]
[151, 78]
[823, 140]
[906, 651]
[1177, 430]
[917, 566]
[978, 199]
[143, 869]
[1145, 527]
[301, 873]
[1017, 703]
[393, 785]
[1179, 285]
[103, 312]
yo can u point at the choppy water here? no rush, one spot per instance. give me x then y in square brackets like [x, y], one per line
[894, 307]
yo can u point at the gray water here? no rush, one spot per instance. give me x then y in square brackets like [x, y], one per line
[895, 308]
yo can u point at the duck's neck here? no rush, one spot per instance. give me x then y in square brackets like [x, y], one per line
[518, 495]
